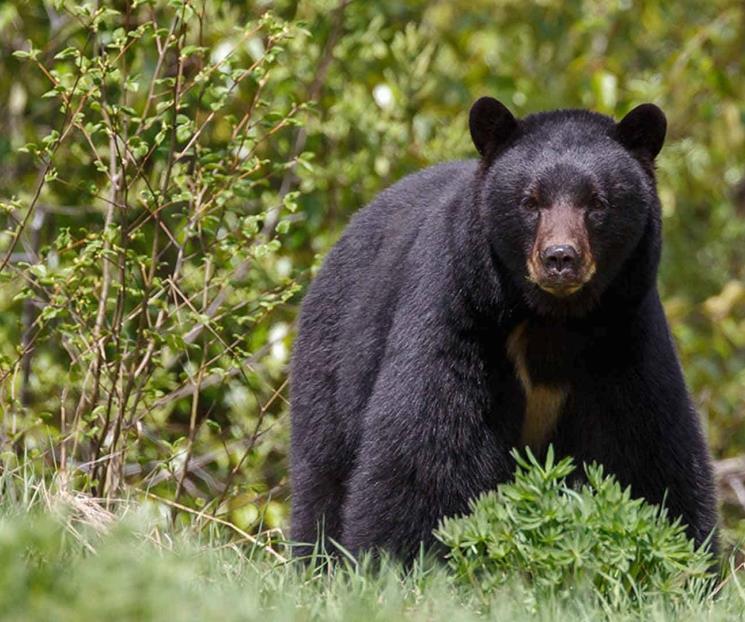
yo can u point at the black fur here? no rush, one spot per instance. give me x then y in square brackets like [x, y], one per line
[405, 404]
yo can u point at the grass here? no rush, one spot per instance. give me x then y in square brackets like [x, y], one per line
[65, 557]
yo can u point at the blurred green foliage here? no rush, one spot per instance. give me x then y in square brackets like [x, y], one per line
[348, 97]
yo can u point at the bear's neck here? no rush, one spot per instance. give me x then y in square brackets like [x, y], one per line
[484, 294]
[637, 278]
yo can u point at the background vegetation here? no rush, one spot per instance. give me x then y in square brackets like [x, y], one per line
[172, 172]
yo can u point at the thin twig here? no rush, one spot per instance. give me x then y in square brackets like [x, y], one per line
[244, 534]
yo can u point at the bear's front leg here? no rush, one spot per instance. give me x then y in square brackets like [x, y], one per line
[632, 414]
[671, 469]
[414, 468]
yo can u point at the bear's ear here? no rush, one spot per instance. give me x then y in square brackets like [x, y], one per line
[491, 125]
[642, 131]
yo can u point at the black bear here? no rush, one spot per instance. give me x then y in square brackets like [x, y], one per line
[483, 305]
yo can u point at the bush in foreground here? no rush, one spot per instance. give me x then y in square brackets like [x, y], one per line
[560, 537]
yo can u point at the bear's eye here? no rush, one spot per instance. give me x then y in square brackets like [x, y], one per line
[598, 203]
[530, 203]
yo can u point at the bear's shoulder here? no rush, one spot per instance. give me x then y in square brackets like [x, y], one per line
[425, 188]
[399, 212]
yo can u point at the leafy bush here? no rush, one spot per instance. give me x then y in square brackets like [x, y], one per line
[151, 306]
[560, 537]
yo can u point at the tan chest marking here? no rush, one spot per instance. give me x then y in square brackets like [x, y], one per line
[543, 403]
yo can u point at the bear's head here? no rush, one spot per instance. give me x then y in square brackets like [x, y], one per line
[567, 198]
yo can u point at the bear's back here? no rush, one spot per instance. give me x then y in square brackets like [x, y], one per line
[348, 311]
[370, 257]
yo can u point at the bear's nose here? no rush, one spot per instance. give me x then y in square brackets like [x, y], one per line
[561, 260]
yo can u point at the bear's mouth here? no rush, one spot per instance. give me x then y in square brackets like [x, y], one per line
[561, 291]
[561, 286]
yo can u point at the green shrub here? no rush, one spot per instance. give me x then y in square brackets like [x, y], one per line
[153, 340]
[559, 537]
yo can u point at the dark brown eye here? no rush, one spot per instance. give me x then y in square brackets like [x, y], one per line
[598, 203]
[530, 203]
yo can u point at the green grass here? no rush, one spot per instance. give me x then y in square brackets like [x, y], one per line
[64, 557]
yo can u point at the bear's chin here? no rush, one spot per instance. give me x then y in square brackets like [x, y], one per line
[563, 291]
[565, 302]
